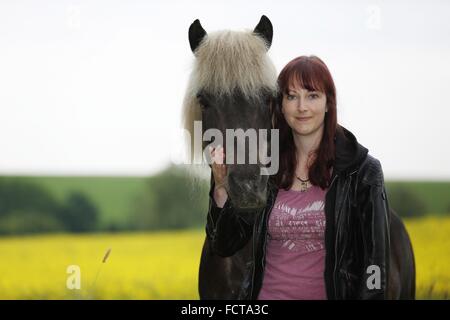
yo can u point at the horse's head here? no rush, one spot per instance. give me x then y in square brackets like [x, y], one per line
[230, 90]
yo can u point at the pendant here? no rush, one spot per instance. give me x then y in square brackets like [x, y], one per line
[304, 186]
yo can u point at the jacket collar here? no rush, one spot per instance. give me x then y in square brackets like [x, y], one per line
[349, 152]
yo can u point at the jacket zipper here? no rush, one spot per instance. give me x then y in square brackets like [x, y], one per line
[265, 236]
[335, 243]
[335, 253]
[335, 246]
[254, 257]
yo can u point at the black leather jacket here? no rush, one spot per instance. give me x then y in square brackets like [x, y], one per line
[356, 231]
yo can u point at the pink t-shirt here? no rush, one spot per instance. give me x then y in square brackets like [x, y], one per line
[295, 252]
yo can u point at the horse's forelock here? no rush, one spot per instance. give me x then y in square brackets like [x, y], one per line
[226, 62]
[230, 60]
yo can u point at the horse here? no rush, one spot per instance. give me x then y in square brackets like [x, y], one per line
[402, 270]
[233, 85]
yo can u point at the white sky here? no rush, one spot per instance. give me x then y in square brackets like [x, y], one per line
[95, 87]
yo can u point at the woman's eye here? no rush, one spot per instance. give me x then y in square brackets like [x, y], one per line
[313, 96]
[290, 97]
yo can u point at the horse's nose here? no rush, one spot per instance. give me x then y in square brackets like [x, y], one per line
[247, 186]
[243, 183]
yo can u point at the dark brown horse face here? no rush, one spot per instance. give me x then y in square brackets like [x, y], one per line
[245, 143]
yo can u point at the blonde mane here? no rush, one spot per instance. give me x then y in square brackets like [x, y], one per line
[226, 61]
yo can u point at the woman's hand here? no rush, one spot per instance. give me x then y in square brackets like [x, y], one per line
[219, 171]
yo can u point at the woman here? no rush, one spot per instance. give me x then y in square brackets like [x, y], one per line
[324, 232]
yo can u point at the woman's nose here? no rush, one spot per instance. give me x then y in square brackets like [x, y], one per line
[301, 104]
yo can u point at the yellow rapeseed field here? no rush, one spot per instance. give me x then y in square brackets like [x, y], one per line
[430, 237]
[163, 265]
[140, 266]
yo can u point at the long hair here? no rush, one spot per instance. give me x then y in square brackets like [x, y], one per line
[311, 73]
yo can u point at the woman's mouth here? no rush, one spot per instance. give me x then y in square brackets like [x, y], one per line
[302, 118]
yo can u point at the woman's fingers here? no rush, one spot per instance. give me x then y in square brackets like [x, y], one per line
[218, 166]
[217, 154]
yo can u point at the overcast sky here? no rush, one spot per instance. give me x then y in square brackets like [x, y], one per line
[96, 87]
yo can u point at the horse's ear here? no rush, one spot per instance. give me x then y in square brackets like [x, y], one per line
[196, 34]
[265, 30]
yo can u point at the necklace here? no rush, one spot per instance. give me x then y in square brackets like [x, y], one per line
[303, 184]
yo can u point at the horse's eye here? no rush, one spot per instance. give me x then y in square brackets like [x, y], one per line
[201, 99]
[204, 104]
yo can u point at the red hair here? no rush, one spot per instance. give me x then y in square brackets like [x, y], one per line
[311, 73]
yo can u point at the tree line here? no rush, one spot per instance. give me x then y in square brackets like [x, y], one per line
[169, 200]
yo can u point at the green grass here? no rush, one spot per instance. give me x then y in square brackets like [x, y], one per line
[436, 195]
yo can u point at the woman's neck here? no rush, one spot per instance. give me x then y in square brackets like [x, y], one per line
[306, 144]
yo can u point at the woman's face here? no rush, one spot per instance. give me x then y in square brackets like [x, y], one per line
[304, 110]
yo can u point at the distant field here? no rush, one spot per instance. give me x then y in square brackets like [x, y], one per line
[115, 195]
[164, 265]
[436, 195]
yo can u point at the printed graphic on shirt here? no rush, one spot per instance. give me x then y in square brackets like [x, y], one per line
[297, 220]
